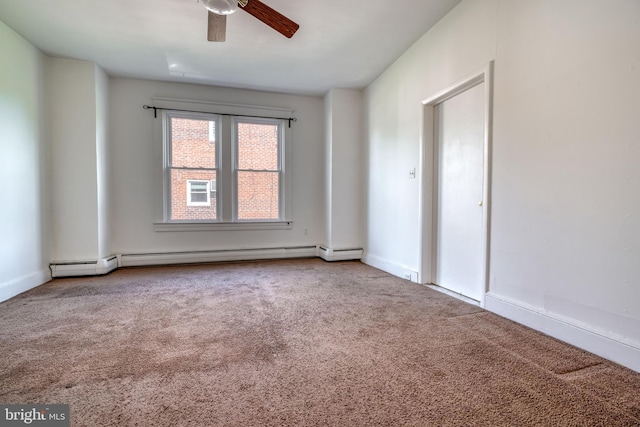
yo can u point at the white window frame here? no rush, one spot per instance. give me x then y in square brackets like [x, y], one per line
[207, 184]
[226, 219]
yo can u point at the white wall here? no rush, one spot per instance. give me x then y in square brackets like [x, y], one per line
[566, 183]
[73, 131]
[343, 169]
[136, 170]
[567, 154]
[24, 192]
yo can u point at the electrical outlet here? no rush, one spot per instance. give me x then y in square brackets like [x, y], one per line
[306, 231]
[412, 173]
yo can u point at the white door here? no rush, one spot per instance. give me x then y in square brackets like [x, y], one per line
[459, 206]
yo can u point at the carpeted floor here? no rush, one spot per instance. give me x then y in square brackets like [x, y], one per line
[293, 343]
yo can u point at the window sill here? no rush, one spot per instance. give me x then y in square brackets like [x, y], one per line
[222, 226]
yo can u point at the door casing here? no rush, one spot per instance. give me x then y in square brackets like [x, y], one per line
[428, 172]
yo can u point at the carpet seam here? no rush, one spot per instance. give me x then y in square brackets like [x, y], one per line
[567, 382]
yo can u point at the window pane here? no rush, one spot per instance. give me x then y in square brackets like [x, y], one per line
[199, 197]
[199, 186]
[258, 195]
[257, 146]
[181, 183]
[191, 145]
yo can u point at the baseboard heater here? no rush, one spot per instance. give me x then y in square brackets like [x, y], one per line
[194, 257]
[83, 268]
[329, 254]
[106, 265]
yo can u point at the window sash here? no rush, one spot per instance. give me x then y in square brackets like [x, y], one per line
[188, 167]
[239, 211]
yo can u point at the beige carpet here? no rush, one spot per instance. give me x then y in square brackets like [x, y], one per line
[293, 343]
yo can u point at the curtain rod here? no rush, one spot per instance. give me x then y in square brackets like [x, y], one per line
[155, 113]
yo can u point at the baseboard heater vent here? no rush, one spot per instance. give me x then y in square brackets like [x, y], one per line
[83, 268]
[329, 254]
[194, 257]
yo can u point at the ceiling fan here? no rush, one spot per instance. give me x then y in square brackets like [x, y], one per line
[219, 9]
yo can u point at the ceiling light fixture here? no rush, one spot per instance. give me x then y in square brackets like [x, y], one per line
[221, 7]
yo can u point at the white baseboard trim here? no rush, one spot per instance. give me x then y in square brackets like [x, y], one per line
[139, 260]
[589, 340]
[454, 295]
[329, 254]
[84, 268]
[22, 284]
[390, 267]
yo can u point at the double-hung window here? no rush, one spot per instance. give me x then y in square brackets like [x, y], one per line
[198, 193]
[223, 169]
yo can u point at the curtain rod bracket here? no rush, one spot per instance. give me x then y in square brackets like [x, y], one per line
[155, 110]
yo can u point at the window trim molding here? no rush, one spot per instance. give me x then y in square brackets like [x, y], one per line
[163, 213]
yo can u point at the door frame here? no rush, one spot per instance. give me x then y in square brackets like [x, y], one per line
[429, 172]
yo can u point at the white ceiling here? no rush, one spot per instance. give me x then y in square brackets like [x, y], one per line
[340, 43]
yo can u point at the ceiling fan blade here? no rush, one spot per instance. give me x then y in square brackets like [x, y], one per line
[217, 27]
[272, 18]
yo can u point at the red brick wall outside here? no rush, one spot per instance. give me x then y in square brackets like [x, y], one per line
[257, 191]
[258, 194]
[179, 208]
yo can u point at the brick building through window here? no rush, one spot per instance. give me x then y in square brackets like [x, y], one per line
[196, 169]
